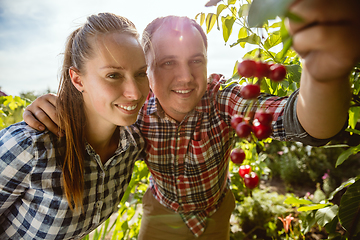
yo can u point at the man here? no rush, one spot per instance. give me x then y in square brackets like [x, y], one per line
[186, 120]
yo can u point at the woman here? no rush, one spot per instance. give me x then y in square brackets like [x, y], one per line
[62, 189]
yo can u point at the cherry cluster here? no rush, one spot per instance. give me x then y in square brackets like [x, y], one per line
[258, 124]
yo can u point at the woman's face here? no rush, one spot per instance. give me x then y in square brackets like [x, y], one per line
[115, 84]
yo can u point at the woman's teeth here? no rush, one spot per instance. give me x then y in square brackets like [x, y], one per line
[129, 108]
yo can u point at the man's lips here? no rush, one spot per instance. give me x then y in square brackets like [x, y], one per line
[182, 91]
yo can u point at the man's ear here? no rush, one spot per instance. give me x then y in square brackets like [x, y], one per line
[76, 78]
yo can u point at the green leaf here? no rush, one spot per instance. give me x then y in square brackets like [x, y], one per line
[295, 71]
[272, 41]
[219, 9]
[252, 39]
[230, 2]
[242, 34]
[253, 54]
[227, 24]
[262, 10]
[353, 116]
[349, 210]
[325, 215]
[353, 131]
[286, 40]
[331, 227]
[235, 67]
[243, 10]
[202, 18]
[297, 201]
[312, 207]
[346, 154]
[275, 25]
[341, 187]
[210, 21]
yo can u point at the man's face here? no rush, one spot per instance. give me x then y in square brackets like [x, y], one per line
[178, 73]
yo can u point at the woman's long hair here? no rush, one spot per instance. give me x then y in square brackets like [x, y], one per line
[70, 102]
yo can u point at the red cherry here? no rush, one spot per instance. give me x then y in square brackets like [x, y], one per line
[277, 72]
[261, 131]
[244, 169]
[251, 180]
[235, 120]
[262, 69]
[264, 117]
[247, 68]
[250, 91]
[243, 129]
[237, 156]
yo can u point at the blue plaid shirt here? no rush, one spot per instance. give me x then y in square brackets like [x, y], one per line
[32, 201]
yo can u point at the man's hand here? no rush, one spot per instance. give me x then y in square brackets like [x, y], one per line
[328, 36]
[327, 39]
[42, 113]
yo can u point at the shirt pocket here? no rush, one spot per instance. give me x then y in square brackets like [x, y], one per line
[203, 150]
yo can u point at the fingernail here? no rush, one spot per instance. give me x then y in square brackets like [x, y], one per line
[41, 128]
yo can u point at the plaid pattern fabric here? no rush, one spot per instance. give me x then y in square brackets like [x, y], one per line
[32, 201]
[188, 161]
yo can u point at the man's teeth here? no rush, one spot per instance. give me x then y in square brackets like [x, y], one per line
[129, 108]
[183, 91]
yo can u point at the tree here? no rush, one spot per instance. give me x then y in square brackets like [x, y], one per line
[261, 24]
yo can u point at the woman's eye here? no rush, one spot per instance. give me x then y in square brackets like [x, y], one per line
[142, 74]
[114, 75]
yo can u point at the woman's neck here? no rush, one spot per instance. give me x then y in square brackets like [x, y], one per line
[103, 140]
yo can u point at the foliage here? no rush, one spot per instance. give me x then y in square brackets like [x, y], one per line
[11, 110]
[256, 217]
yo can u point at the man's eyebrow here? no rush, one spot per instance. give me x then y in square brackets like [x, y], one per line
[174, 56]
[167, 57]
[198, 55]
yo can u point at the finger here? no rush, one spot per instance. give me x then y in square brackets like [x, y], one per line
[330, 52]
[47, 103]
[314, 12]
[30, 119]
[42, 113]
[41, 116]
[328, 38]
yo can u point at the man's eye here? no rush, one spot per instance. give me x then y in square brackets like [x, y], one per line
[197, 61]
[168, 63]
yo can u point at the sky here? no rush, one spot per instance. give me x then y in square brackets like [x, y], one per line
[33, 35]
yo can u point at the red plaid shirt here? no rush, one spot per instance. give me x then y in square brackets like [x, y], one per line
[189, 161]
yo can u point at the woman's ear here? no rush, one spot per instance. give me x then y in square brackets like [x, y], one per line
[76, 78]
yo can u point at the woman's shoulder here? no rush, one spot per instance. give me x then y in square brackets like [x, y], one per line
[23, 133]
[21, 140]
